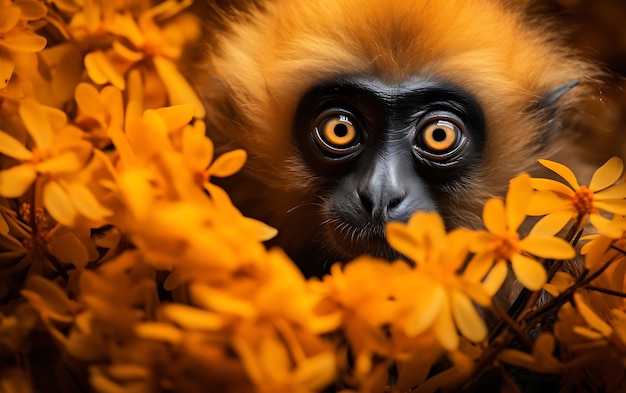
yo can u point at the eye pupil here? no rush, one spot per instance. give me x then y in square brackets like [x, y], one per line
[439, 135]
[341, 130]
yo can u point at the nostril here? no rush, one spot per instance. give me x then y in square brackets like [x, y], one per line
[366, 202]
[394, 203]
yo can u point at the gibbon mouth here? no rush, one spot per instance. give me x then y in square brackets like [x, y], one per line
[350, 241]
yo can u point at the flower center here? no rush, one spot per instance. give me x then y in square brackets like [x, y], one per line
[40, 155]
[506, 246]
[583, 202]
[201, 177]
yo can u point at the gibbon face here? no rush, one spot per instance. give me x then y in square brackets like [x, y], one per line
[355, 113]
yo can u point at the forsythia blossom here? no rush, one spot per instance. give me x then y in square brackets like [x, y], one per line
[563, 203]
[16, 35]
[59, 153]
[503, 243]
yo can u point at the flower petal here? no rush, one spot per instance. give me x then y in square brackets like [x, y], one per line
[608, 228]
[556, 186]
[493, 216]
[425, 310]
[176, 116]
[468, 321]
[9, 18]
[159, 331]
[197, 149]
[591, 317]
[613, 206]
[24, 42]
[137, 192]
[178, 89]
[530, 273]
[551, 224]
[126, 52]
[15, 181]
[544, 202]
[445, 330]
[31, 9]
[547, 247]
[402, 239]
[7, 66]
[317, 372]
[607, 174]
[58, 204]
[562, 171]
[101, 70]
[559, 283]
[228, 163]
[494, 280]
[88, 99]
[134, 97]
[68, 248]
[86, 203]
[124, 25]
[64, 163]
[192, 318]
[221, 302]
[37, 123]
[147, 135]
[478, 266]
[11, 147]
[49, 296]
[617, 191]
[112, 99]
[517, 201]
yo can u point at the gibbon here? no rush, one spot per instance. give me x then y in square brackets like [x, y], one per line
[355, 113]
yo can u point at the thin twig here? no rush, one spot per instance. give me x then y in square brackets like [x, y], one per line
[606, 290]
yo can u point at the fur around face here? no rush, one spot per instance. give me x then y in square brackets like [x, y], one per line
[268, 58]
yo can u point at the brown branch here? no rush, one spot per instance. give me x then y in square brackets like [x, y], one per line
[606, 290]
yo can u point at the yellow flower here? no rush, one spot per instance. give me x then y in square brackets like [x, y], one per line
[541, 359]
[502, 242]
[274, 367]
[98, 111]
[563, 203]
[559, 283]
[162, 43]
[446, 295]
[15, 33]
[267, 316]
[593, 335]
[59, 154]
[368, 305]
[197, 150]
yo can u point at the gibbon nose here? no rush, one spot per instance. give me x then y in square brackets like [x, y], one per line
[383, 189]
[391, 190]
[381, 205]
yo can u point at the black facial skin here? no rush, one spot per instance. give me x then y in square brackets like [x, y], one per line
[383, 167]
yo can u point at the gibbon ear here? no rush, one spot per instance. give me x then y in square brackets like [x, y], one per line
[548, 110]
[553, 95]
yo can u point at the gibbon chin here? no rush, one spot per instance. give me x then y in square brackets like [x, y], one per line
[355, 113]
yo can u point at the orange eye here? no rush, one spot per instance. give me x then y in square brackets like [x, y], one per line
[440, 136]
[337, 134]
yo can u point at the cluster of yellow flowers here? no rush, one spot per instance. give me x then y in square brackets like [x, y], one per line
[132, 272]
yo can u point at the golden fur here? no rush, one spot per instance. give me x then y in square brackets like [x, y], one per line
[269, 57]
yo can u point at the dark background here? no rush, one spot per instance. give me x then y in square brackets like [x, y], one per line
[597, 29]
